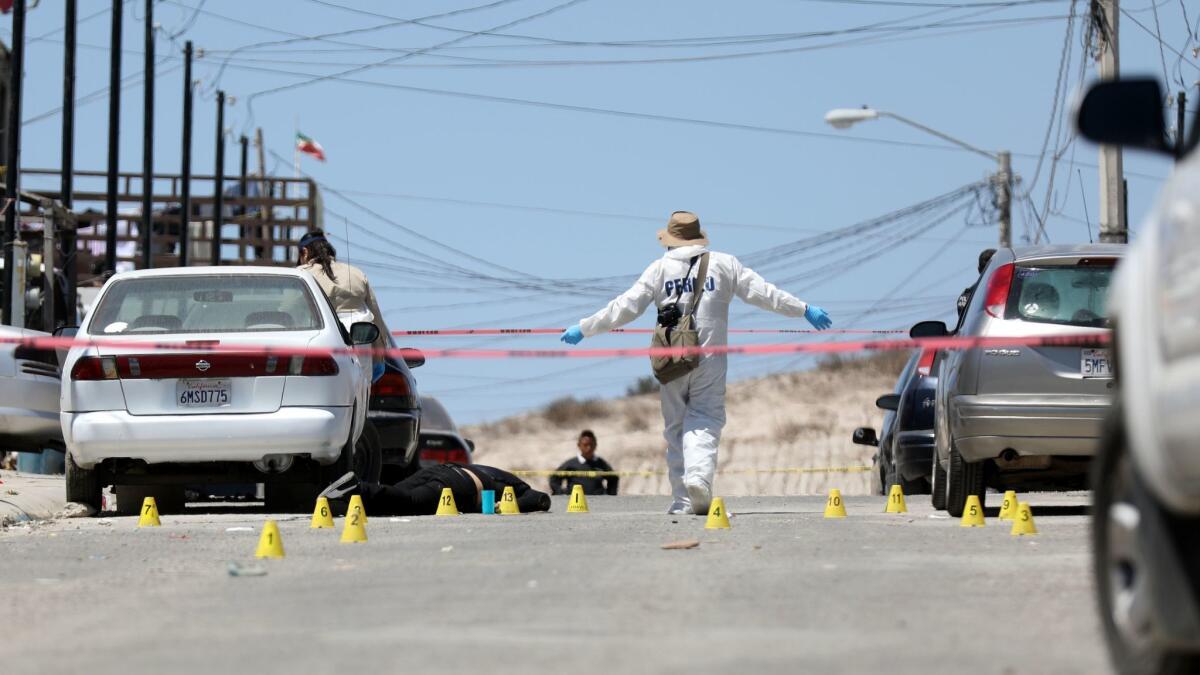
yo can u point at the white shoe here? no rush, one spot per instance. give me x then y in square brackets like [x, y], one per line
[680, 508]
[701, 497]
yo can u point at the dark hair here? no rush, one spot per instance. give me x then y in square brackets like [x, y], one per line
[985, 256]
[587, 433]
[320, 251]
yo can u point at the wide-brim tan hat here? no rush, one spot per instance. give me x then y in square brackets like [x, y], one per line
[683, 229]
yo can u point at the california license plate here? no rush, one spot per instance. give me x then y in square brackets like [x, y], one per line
[1095, 363]
[202, 393]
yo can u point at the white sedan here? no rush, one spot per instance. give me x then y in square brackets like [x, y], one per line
[139, 416]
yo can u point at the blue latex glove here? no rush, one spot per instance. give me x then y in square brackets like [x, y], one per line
[377, 372]
[818, 317]
[572, 335]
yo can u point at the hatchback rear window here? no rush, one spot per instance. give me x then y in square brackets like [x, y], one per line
[232, 303]
[1072, 296]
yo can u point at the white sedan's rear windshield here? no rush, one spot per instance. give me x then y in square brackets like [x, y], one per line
[231, 303]
[1076, 295]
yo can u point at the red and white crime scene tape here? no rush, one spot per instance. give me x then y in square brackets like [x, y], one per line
[530, 473]
[458, 332]
[215, 346]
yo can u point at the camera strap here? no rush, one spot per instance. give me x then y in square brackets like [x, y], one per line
[701, 280]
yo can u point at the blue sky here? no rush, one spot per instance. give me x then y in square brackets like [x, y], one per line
[564, 194]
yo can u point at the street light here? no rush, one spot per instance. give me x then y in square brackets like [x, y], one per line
[844, 118]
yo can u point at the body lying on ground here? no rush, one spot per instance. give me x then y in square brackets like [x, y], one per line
[418, 494]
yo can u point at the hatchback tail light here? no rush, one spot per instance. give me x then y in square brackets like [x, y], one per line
[925, 361]
[391, 384]
[997, 291]
[94, 368]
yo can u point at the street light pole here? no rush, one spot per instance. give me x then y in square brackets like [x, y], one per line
[1002, 180]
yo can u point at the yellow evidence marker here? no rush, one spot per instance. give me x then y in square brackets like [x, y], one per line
[972, 513]
[269, 543]
[446, 505]
[354, 531]
[322, 517]
[834, 508]
[578, 502]
[895, 502]
[1023, 521]
[356, 504]
[149, 514]
[508, 502]
[1008, 508]
[718, 516]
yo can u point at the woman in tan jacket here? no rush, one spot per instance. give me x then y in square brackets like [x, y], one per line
[345, 286]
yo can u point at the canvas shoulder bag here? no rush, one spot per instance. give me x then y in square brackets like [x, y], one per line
[679, 331]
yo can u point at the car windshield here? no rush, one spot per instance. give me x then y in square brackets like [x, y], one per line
[1073, 296]
[210, 303]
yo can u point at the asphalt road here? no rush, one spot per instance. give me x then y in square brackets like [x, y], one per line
[783, 591]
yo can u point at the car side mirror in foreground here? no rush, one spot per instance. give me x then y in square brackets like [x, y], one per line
[1124, 112]
[865, 436]
[66, 331]
[888, 402]
[929, 329]
[363, 333]
[470, 444]
[413, 358]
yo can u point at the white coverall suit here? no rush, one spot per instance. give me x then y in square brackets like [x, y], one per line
[693, 406]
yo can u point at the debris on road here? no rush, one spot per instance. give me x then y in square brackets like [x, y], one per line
[681, 545]
[238, 570]
[76, 510]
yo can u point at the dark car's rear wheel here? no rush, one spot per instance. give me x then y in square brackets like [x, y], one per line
[963, 480]
[83, 485]
[1121, 573]
[908, 487]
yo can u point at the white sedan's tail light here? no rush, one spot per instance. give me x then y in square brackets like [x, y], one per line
[94, 368]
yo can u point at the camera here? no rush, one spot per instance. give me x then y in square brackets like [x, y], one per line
[669, 316]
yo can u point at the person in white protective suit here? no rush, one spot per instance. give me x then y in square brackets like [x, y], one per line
[693, 406]
[347, 289]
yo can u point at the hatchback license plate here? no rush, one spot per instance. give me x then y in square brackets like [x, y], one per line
[1095, 363]
[202, 393]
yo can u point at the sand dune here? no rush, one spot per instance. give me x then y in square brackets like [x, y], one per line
[791, 420]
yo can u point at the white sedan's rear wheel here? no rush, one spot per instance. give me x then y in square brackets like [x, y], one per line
[83, 485]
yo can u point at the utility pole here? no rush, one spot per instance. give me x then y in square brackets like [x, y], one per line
[1113, 228]
[12, 159]
[148, 145]
[242, 184]
[1004, 179]
[262, 164]
[219, 181]
[185, 180]
[67, 192]
[114, 139]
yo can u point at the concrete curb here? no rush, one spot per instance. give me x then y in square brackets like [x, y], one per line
[25, 497]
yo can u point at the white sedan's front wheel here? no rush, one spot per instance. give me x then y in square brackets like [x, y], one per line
[1123, 577]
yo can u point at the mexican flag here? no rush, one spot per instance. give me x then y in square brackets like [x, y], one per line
[309, 147]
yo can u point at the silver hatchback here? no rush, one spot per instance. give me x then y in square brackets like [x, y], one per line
[1025, 418]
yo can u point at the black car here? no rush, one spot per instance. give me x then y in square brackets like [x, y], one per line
[395, 414]
[906, 440]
